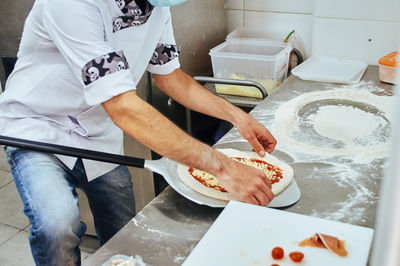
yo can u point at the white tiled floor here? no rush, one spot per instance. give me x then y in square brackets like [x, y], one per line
[14, 226]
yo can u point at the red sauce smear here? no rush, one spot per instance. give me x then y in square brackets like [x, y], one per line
[204, 182]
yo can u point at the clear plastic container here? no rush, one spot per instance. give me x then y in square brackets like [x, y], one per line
[253, 34]
[266, 63]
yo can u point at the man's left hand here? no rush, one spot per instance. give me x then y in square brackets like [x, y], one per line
[256, 134]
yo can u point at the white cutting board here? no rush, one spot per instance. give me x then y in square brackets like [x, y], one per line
[245, 234]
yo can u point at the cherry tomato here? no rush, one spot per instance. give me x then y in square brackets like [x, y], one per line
[277, 253]
[296, 256]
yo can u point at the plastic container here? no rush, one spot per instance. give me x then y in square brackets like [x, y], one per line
[266, 63]
[253, 34]
[389, 68]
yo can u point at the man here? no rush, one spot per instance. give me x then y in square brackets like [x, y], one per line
[73, 85]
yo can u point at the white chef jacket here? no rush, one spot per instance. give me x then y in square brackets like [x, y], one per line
[73, 56]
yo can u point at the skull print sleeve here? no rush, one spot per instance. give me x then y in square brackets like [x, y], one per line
[76, 29]
[165, 57]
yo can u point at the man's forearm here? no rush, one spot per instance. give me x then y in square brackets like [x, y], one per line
[144, 123]
[185, 90]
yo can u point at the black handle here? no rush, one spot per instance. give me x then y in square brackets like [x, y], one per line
[73, 152]
[250, 83]
[299, 56]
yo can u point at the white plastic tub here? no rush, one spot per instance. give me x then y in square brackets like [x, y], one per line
[389, 74]
[266, 63]
[389, 68]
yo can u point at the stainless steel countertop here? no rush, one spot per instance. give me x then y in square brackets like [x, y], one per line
[169, 227]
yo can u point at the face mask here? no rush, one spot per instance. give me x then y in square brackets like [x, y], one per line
[166, 2]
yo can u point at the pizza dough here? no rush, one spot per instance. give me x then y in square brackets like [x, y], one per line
[287, 173]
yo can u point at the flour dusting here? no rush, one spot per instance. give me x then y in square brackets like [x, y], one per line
[338, 123]
[337, 137]
[346, 122]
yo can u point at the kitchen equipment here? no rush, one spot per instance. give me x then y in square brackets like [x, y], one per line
[204, 80]
[245, 234]
[389, 68]
[209, 83]
[265, 63]
[164, 166]
[387, 236]
[330, 69]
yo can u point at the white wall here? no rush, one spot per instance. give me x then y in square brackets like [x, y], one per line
[356, 29]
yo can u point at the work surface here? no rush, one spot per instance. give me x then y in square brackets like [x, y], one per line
[333, 187]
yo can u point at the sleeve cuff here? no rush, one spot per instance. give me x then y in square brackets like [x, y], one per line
[164, 69]
[108, 87]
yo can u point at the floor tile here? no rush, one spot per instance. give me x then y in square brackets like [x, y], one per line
[7, 232]
[27, 228]
[16, 251]
[89, 244]
[84, 255]
[87, 258]
[5, 178]
[11, 207]
[3, 160]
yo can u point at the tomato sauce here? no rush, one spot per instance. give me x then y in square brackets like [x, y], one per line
[204, 182]
[276, 177]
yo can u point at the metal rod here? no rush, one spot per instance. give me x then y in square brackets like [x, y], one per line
[73, 152]
[249, 83]
[387, 230]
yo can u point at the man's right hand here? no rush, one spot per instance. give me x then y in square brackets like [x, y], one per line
[142, 122]
[245, 182]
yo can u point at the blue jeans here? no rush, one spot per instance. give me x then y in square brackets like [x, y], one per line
[48, 191]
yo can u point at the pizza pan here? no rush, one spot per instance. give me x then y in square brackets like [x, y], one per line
[168, 169]
[164, 166]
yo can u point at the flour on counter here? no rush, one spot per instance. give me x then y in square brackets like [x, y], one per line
[350, 163]
[345, 122]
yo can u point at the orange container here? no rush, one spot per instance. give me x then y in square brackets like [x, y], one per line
[389, 68]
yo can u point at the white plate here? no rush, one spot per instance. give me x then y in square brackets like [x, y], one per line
[330, 69]
[245, 234]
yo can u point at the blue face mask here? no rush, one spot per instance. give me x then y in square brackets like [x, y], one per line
[166, 2]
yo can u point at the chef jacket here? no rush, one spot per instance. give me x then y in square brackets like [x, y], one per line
[73, 56]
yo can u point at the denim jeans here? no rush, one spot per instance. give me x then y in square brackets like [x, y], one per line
[48, 191]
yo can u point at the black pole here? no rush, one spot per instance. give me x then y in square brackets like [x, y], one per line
[73, 152]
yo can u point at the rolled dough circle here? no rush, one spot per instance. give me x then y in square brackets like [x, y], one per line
[287, 175]
[287, 122]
